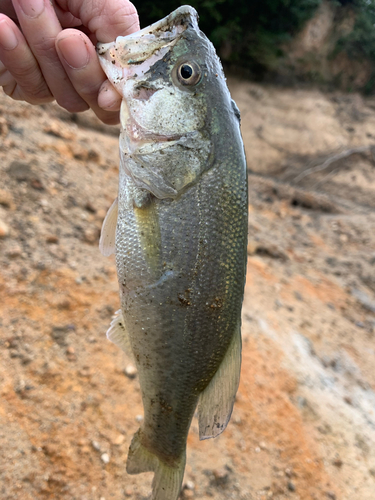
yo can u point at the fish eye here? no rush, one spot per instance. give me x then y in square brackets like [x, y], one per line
[189, 73]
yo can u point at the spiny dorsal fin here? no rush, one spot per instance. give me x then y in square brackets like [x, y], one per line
[108, 233]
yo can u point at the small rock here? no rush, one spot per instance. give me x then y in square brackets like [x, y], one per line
[4, 229]
[105, 458]
[70, 350]
[129, 491]
[52, 239]
[96, 445]
[91, 235]
[331, 495]
[288, 472]
[139, 418]
[6, 199]
[14, 251]
[221, 475]
[291, 486]
[119, 440]
[20, 171]
[364, 299]
[4, 127]
[189, 485]
[56, 129]
[90, 208]
[130, 371]
[337, 462]
[59, 333]
[37, 184]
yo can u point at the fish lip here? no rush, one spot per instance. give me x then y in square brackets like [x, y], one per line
[168, 28]
[139, 135]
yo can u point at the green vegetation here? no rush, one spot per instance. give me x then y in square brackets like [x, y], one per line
[361, 41]
[247, 33]
[250, 33]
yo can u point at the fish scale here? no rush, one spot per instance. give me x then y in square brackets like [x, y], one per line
[180, 242]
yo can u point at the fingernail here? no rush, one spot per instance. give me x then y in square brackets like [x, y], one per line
[74, 50]
[108, 98]
[32, 8]
[8, 39]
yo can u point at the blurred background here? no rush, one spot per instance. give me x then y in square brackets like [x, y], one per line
[303, 427]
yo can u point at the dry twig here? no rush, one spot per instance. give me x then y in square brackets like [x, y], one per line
[332, 159]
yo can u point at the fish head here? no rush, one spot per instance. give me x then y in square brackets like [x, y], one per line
[170, 79]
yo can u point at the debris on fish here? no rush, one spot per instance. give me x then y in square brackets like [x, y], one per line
[179, 231]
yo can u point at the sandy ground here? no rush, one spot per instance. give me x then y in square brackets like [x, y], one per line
[303, 426]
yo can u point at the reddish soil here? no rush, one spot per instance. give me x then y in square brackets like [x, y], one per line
[303, 426]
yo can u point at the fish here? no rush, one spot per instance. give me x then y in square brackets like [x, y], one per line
[178, 229]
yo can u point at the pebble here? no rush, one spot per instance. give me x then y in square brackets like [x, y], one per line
[4, 229]
[130, 371]
[96, 445]
[52, 239]
[4, 127]
[139, 418]
[6, 199]
[221, 475]
[91, 235]
[14, 251]
[337, 462]
[291, 486]
[105, 458]
[189, 485]
[119, 440]
[20, 171]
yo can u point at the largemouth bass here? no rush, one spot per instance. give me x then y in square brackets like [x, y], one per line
[179, 233]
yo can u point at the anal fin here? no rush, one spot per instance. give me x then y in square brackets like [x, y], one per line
[117, 333]
[108, 232]
[216, 402]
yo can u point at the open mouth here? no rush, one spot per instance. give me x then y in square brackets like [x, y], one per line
[137, 47]
[132, 55]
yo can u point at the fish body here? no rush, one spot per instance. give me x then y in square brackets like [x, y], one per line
[179, 233]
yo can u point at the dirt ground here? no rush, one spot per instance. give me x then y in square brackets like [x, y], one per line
[303, 426]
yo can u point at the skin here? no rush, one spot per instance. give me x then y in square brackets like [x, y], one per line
[47, 52]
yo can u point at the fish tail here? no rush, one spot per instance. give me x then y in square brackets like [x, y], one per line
[167, 481]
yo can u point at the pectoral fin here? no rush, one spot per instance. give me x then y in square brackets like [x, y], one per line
[216, 401]
[118, 335]
[108, 233]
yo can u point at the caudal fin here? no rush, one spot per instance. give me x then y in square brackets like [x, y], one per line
[167, 480]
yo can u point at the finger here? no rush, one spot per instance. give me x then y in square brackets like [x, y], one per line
[109, 98]
[19, 61]
[81, 64]
[40, 27]
[66, 18]
[106, 20]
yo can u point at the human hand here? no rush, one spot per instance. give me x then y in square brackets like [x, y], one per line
[47, 51]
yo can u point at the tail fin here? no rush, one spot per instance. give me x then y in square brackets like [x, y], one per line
[167, 480]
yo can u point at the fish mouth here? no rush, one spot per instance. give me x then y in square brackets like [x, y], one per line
[134, 49]
[138, 136]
